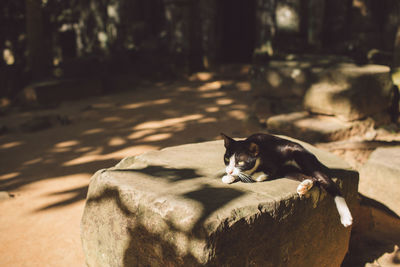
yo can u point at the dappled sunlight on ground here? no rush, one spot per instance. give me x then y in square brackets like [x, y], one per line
[151, 103]
[48, 170]
[10, 145]
[106, 129]
[178, 123]
[40, 225]
[68, 143]
[97, 155]
[9, 175]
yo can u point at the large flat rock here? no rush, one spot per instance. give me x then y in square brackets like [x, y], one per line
[380, 177]
[350, 92]
[170, 208]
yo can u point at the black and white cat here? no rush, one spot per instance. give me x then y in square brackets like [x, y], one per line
[275, 157]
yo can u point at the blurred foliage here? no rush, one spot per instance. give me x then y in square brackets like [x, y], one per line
[84, 38]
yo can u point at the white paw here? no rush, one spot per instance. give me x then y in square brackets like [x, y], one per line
[304, 187]
[346, 220]
[261, 177]
[228, 179]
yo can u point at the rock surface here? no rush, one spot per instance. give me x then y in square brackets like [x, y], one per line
[350, 92]
[291, 76]
[4, 195]
[280, 82]
[375, 236]
[307, 127]
[170, 208]
[52, 93]
[380, 179]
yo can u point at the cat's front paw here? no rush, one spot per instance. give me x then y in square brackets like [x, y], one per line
[262, 177]
[304, 187]
[228, 179]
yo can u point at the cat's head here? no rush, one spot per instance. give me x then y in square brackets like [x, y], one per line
[241, 157]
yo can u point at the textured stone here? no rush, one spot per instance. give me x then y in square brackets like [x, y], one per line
[170, 208]
[4, 195]
[380, 177]
[291, 77]
[280, 79]
[350, 92]
[375, 235]
[51, 93]
[308, 127]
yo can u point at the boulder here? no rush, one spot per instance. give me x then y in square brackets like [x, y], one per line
[380, 179]
[280, 79]
[350, 92]
[291, 76]
[375, 235]
[170, 208]
[51, 93]
[308, 127]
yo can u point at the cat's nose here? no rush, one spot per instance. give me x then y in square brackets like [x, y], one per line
[229, 171]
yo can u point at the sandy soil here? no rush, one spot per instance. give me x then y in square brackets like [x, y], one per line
[47, 171]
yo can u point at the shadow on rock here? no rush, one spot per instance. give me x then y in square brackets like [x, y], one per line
[171, 174]
[375, 232]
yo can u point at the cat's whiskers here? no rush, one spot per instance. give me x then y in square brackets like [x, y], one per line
[246, 178]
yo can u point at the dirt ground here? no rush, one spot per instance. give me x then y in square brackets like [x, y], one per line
[48, 156]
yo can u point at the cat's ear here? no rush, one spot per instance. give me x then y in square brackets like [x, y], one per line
[254, 149]
[227, 140]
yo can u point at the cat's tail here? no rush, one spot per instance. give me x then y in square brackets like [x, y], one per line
[315, 167]
[345, 215]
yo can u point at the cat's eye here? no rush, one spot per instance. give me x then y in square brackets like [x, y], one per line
[241, 163]
[226, 158]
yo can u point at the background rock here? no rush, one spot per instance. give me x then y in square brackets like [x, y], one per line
[307, 127]
[280, 79]
[375, 235]
[379, 177]
[350, 92]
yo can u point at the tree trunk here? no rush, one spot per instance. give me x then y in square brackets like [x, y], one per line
[394, 109]
[266, 28]
[37, 59]
[315, 22]
[396, 49]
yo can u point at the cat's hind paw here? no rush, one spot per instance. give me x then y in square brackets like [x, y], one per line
[228, 179]
[304, 187]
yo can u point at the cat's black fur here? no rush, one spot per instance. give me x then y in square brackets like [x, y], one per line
[273, 157]
[275, 154]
